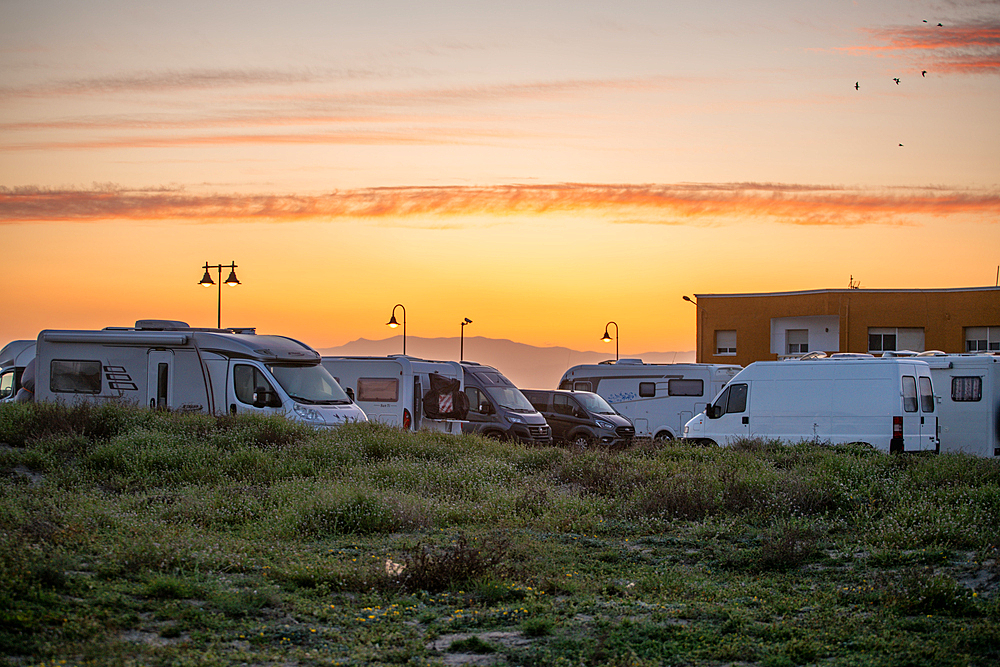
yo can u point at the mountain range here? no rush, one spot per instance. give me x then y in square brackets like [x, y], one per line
[527, 366]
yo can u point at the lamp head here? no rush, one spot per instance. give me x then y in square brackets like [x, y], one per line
[606, 338]
[206, 280]
[467, 321]
[392, 323]
[232, 280]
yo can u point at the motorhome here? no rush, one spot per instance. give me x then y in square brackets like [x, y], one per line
[498, 409]
[392, 390]
[887, 403]
[968, 388]
[168, 364]
[657, 398]
[14, 358]
[581, 418]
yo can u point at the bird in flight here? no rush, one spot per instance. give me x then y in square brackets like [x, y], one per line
[901, 144]
[896, 80]
[857, 85]
[923, 73]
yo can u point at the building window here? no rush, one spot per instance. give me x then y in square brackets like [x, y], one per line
[982, 339]
[796, 341]
[725, 342]
[889, 339]
[967, 389]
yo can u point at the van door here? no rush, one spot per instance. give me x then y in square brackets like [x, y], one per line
[160, 379]
[911, 414]
[733, 419]
[250, 390]
[928, 417]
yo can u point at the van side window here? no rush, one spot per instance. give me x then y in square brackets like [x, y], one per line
[538, 400]
[75, 377]
[6, 385]
[562, 405]
[909, 394]
[737, 398]
[926, 395]
[383, 390]
[246, 379]
[967, 389]
[685, 387]
[581, 385]
[476, 399]
[647, 389]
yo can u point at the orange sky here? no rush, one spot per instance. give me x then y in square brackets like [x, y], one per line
[541, 170]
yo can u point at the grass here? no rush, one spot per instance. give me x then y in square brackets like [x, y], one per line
[139, 537]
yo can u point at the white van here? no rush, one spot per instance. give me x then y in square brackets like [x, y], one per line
[888, 403]
[391, 390]
[657, 398]
[969, 401]
[168, 364]
[14, 358]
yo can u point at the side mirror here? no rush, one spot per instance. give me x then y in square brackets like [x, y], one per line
[714, 411]
[262, 398]
[579, 414]
[486, 408]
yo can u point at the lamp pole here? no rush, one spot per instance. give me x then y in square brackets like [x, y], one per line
[392, 323]
[697, 324]
[232, 281]
[461, 349]
[607, 339]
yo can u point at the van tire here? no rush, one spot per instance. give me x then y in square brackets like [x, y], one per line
[663, 436]
[495, 435]
[582, 440]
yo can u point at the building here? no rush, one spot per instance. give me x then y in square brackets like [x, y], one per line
[743, 328]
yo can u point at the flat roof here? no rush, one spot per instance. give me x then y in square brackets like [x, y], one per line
[853, 291]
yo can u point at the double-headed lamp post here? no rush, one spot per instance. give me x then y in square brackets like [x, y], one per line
[607, 339]
[232, 281]
[392, 323]
[461, 348]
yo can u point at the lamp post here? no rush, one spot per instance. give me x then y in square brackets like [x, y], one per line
[697, 324]
[392, 323]
[607, 338]
[232, 281]
[461, 349]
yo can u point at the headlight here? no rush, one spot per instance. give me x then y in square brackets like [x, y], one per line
[607, 425]
[515, 419]
[308, 414]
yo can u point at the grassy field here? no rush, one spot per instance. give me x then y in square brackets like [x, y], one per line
[131, 537]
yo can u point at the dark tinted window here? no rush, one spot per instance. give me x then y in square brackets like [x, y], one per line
[909, 394]
[926, 395]
[647, 389]
[75, 377]
[685, 387]
[737, 398]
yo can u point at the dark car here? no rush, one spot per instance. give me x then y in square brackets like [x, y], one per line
[498, 409]
[581, 417]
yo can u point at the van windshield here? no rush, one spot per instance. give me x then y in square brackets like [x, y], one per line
[503, 392]
[596, 404]
[309, 384]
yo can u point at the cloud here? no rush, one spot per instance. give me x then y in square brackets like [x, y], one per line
[969, 48]
[450, 207]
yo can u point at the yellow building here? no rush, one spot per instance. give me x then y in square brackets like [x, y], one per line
[743, 328]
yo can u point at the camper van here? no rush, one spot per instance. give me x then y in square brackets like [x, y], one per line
[498, 409]
[968, 387]
[392, 389]
[657, 398]
[14, 358]
[168, 364]
[887, 403]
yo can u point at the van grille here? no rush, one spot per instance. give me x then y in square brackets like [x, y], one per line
[625, 431]
[539, 431]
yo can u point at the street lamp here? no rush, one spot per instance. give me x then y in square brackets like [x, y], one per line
[461, 349]
[697, 324]
[607, 338]
[392, 323]
[232, 281]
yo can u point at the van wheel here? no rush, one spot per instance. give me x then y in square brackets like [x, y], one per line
[582, 440]
[663, 436]
[494, 435]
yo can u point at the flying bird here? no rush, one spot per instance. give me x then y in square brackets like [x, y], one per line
[901, 144]
[857, 85]
[923, 73]
[896, 80]
[940, 25]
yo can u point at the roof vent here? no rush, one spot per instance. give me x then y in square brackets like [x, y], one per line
[161, 325]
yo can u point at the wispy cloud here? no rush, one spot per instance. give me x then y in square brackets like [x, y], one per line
[698, 204]
[968, 48]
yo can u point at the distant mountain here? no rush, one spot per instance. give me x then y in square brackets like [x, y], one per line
[527, 366]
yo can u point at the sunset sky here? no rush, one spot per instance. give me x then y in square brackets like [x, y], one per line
[541, 168]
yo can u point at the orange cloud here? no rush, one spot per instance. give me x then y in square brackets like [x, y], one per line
[969, 48]
[438, 207]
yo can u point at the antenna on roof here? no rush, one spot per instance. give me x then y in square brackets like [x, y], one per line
[851, 284]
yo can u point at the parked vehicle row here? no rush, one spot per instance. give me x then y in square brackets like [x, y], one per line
[888, 402]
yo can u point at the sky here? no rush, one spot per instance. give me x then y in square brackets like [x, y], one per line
[541, 168]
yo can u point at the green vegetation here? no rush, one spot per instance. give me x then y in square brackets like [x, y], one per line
[135, 537]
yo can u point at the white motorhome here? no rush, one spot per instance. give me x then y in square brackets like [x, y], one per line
[658, 398]
[391, 390]
[167, 364]
[14, 357]
[887, 403]
[968, 387]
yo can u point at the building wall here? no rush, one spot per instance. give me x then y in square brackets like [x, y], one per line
[942, 314]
